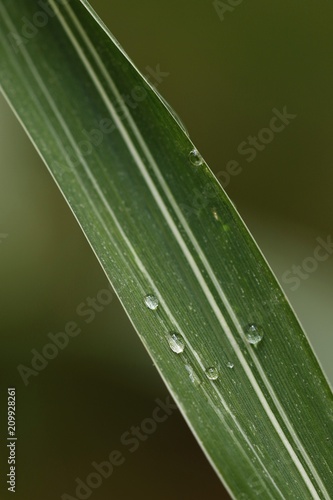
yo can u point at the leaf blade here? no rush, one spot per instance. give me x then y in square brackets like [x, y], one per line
[143, 209]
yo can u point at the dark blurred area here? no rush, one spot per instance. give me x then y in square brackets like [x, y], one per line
[230, 74]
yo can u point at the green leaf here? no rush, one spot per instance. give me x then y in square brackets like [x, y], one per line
[188, 273]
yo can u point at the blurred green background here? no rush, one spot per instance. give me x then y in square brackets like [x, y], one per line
[225, 77]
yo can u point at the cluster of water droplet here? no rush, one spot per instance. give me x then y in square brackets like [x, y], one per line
[253, 333]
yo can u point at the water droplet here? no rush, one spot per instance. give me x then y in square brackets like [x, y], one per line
[230, 364]
[176, 343]
[254, 333]
[195, 158]
[215, 214]
[151, 302]
[212, 373]
[193, 376]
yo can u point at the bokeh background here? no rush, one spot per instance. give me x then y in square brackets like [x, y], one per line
[225, 77]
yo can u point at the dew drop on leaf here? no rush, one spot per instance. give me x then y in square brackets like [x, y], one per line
[215, 214]
[212, 373]
[254, 333]
[195, 158]
[176, 343]
[193, 376]
[151, 302]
